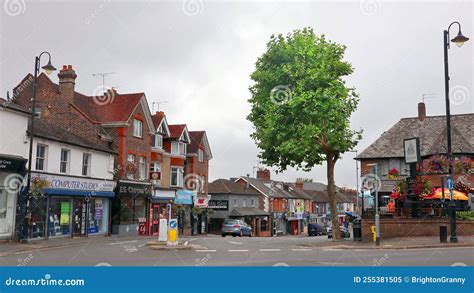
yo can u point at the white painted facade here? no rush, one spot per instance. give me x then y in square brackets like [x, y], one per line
[14, 142]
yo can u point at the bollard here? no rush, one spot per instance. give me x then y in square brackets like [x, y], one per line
[443, 234]
[374, 234]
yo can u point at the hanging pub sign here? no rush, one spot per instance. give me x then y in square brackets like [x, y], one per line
[411, 147]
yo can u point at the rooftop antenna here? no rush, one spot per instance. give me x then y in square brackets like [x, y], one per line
[428, 96]
[103, 74]
[158, 104]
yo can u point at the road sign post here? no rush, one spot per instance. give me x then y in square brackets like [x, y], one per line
[173, 233]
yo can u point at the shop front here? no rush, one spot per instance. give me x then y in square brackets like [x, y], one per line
[183, 209]
[130, 207]
[161, 209]
[12, 171]
[258, 219]
[279, 224]
[62, 206]
[200, 214]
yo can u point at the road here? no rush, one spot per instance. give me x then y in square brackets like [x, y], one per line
[236, 251]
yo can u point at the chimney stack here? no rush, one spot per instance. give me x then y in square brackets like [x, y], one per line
[67, 81]
[299, 184]
[421, 111]
[263, 174]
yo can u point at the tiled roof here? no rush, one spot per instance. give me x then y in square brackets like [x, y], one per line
[176, 130]
[8, 104]
[224, 186]
[157, 118]
[196, 139]
[432, 134]
[247, 211]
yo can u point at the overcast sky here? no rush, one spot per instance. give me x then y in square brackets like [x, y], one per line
[195, 57]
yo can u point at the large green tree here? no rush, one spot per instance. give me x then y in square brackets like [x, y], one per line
[301, 106]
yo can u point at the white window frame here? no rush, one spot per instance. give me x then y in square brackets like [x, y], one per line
[41, 158]
[158, 141]
[137, 128]
[67, 162]
[88, 164]
[142, 169]
[178, 148]
[244, 202]
[131, 159]
[200, 156]
[155, 167]
[179, 177]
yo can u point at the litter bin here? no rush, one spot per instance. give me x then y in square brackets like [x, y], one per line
[357, 229]
[443, 234]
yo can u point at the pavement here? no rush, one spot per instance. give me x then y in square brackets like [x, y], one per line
[212, 250]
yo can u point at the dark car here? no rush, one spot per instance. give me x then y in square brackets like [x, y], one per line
[236, 228]
[315, 229]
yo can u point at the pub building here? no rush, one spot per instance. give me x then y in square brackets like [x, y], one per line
[130, 207]
[75, 206]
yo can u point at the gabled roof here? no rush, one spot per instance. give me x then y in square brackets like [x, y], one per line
[247, 211]
[4, 104]
[179, 131]
[159, 120]
[297, 193]
[198, 138]
[224, 186]
[432, 134]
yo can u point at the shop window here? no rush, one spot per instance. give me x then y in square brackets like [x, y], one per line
[86, 164]
[137, 128]
[139, 209]
[3, 204]
[41, 157]
[38, 217]
[126, 211]
[64, 163]
[98, 215]
[59, 217]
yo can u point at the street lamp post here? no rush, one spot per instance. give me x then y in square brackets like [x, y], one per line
[459, 40]
[357, 180]
[377, 215]
[25, 197]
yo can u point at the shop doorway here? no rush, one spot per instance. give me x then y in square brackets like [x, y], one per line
[155, 219]
[79, 216]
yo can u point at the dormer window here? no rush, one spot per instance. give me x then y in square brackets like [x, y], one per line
[178, 148]
[158, 141]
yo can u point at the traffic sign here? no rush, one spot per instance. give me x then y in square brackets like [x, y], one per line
[449, 183]
[173, 223]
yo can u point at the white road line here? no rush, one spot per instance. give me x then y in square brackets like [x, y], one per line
[233, 242]
[270, 249]
[237, 250]
[115, 243]
[185, 243]
[141, 245]
[330, 263]
[205, 250]
[301, 249]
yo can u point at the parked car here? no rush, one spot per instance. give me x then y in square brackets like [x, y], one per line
[344, 233]
[315, 229]
[236, 228]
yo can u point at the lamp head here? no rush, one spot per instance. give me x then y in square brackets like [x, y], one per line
[49, 68]
[460, 39]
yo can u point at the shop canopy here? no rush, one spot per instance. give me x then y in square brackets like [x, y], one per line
[437, 194]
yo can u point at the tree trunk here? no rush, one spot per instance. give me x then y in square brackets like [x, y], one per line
[332, 196]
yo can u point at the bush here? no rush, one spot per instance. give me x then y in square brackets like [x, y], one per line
[465, 215]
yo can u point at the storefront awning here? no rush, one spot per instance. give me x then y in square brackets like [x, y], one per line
[184, 196]
[437, 194]
[83, 193]
[245, 212]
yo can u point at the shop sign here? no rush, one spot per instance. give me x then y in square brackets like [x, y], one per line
[76, 183]
[184, 197]
[12, 165]
[279, 215]
[163, 194]
[218, 204]
[65, 210]
[133, 189]
[201, 201]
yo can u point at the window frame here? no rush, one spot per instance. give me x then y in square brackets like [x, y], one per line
[67, 162]
[137, 127]
[44, 158]
[142, 169]
[88, 165]
[179, 176]
[200, 156]
[155, 140]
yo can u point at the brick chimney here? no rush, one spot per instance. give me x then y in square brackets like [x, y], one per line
[263, 174]
[421, 111]
[67, 81]
[299, 184]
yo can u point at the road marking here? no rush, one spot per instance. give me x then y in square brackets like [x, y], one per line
[205, 250]
[330, 263]
[233, 242]
[270, 249]
[185, 243]
[141, 245]
[301, 249]
[237, 250]
[115, 243]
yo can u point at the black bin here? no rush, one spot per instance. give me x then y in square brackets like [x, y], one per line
[357, 229]
[443, 234]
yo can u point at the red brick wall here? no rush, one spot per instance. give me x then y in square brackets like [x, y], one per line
[193, 166]
[409, 227]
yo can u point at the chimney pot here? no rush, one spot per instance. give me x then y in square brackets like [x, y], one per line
[67, 80]
[421, 111]
[263, 174]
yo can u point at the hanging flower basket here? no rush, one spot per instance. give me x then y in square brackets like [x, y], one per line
[38, 185]
[393, 174]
